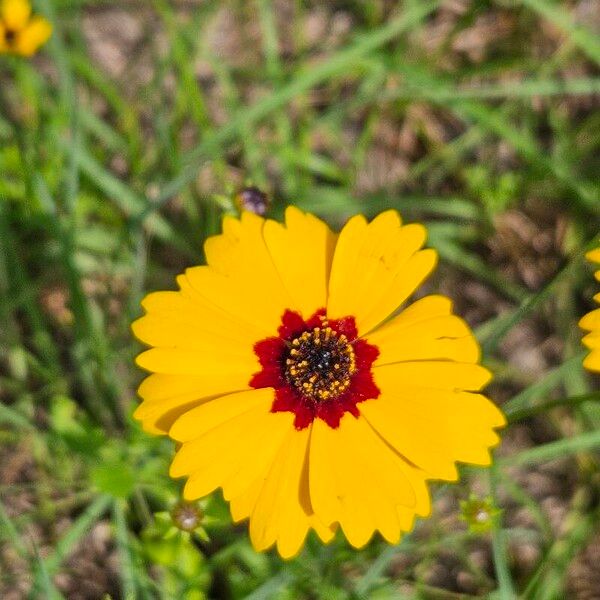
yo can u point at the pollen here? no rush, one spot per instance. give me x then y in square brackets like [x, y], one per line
[320, 363]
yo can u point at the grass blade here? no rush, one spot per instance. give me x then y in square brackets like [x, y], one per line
[78, 529]
[305, 80]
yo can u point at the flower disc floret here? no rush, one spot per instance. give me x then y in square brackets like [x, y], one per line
[320, 364]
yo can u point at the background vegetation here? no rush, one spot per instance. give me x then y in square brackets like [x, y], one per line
[121, 146]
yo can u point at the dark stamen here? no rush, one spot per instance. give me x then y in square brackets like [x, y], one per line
[320, 363]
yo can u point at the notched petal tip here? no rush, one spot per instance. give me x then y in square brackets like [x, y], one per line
[144, 360]
[137, 329]
[486, 377]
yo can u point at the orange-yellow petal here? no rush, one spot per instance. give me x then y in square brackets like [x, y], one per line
[3, 45]
[459, 425]
[223, 448]
[267, 439]
[160, 388]
[593, 255]
[376, 267]
[197, 422]
[282, 511]
[591, 321]
[357, 480]
[302, 252]
[32, 36]
[174, 319]
[592, 361]
[438, 338]
[241, 277]
[15, 14]
[443, 375]
[592, 340]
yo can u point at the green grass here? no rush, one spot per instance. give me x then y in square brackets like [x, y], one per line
[104, 196]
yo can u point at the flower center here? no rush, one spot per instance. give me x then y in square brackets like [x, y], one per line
[10, 36]
[320, 363]
[319, 368]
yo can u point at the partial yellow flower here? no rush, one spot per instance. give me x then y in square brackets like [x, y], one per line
[591, 323]
[288, 380]
[20, 32]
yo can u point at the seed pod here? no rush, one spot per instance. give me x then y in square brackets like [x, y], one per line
[253, 200]
[187, 516]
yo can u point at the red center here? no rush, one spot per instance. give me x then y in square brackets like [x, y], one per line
[318, 368]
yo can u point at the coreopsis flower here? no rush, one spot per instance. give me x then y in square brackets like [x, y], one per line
[21, 32]
[283, 373]
[591, 323]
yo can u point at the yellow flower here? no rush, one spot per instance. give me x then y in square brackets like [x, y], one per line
[20, 32]
[286, 381]
[591, 323]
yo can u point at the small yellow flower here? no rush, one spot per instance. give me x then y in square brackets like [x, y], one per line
[288, 380]
[21, 32]
[591, 323]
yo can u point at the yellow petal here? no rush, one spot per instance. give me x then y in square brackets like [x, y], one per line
[407, 280]
[302, 252]
[324, 494]
[221, 451]
[283, 508]
[325, 532]
[195, 362]
[428, 452]
[439, 338]
[160, 387]
[214, 413]
[593, 255]
[592, 361]
[189, 330]
[358, 248]
[15, 13]
[423, 309]
[592, 340]
[444, 375]
[384, 484]
[356, 480]
[189, 307]
[269, 436]
[355, 516]
[241, 506]
[209, 460]
[294, 506]
[591, 321]
[166, 396]
[459, 427]
[3, 46]
[373, 261]
[241, 277]
[191, 336]
[35, 34]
